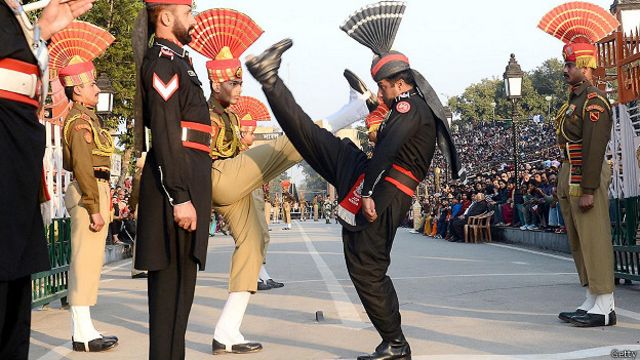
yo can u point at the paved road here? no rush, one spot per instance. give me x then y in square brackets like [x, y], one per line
[458, 301]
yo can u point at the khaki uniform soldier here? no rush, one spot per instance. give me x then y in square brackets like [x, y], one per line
[287, 201]
[303, 209]
[235, 174]
[87, 153]
[583, 128]
[267, 204]
[276, 209]
[315, 208]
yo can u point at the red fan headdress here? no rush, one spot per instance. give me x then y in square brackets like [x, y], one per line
[250, 110]
[285, 185]
[579, 25]
[377, 116]
[73, 49]
[223, 35]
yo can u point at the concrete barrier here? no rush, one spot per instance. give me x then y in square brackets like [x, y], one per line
[535, 239]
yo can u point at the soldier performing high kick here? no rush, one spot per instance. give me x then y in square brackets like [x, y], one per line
[23, 247]
[87, 153]
[236, 174]
[175, 186]
[405, 146]
[583, 127]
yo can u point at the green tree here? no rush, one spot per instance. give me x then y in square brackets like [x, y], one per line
[313, 182]
[548, 80]
[117, 17]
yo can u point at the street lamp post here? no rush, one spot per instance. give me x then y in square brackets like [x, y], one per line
[513, 88]
[549, 98]
[105, 97]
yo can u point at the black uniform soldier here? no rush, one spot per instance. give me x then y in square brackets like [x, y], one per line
[175, 189]
[584, 127]
[23, 248]
[405, 145]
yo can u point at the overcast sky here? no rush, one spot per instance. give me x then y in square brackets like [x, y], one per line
[453, 43]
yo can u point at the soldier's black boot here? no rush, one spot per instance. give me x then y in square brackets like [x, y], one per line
[358, 85]
[566, 316]
[264, 67]
[103, 343]
[594, 320]
[397, 349]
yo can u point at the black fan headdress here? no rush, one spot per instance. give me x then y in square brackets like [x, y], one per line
[375, 26]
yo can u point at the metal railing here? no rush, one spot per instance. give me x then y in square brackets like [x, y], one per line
[625, 233]
[48, 286]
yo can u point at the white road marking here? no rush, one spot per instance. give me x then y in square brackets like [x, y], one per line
[347, 312]
[559, 257]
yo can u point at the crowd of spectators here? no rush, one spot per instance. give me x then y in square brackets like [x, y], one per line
[529, 202]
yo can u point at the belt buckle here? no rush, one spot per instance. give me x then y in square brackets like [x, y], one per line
[185, 133]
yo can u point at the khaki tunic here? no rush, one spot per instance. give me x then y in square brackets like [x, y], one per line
[586, 120]
[87, 147]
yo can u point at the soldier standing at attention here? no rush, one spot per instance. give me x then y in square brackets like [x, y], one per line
[583, 127]
[87, 153]
[175, 186]
[23, 80]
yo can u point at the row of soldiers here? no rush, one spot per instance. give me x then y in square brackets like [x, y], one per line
[201, 155]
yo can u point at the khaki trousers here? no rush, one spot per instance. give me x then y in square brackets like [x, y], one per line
[87, 247]
[258, 198]
[233, 182]
[315, 212]
[276, 214]
[589, 233]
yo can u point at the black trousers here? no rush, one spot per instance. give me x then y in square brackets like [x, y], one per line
[457, 228]
[171, 293]
[15, 318]
[367, 252]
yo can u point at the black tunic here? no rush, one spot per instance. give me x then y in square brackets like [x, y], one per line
[172, 174]
[23, 248]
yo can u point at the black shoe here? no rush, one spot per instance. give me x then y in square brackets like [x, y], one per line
[264, 285]
[96, 345]
[142, 275]
[358, 85]
[274, 284]
[394, 350]
[566, 316]
[593, 320]
[264, 67]
[109, 337]
[245, 348]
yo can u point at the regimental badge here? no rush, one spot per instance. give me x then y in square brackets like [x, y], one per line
[594, 116]
[595, 107]
[570, 110]
[166, 52]
[239, 73]
[403, 107]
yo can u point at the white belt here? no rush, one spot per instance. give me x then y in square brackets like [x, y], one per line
[18, 82]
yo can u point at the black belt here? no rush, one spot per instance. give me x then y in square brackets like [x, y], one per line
[102, 174]
[197, 137]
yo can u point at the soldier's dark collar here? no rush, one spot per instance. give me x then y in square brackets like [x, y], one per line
[406, 95]
[216, 106]
[580, 88]
[85, 110]
[175, 48]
